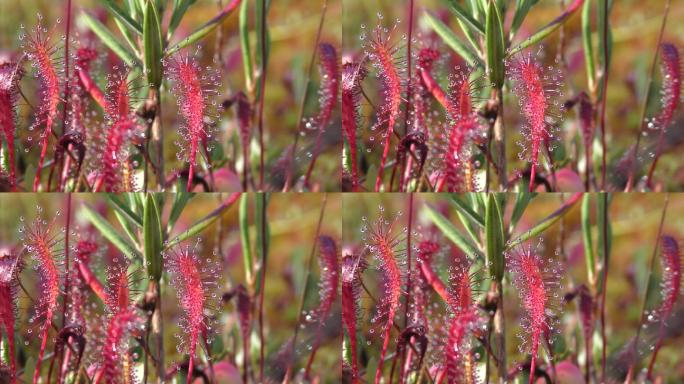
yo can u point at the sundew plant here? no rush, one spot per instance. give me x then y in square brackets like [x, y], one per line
[122, 96]
[135, 288]
[494, 287]
[459, 96]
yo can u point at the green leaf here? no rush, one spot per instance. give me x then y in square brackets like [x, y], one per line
[547, 222]
[152, 235]
[463, 207]
[522, 199]
[179, 9]
[180, 199]
[494, 233]
[496, 45]
[204, 222]
[451, 232]
[114, 202]
[154, 45]
[247, 262]
[204, 30]
[590, 259]
[109, 233]
[263, 235]
[452, 40]
[465, 16]
[522, 7]
[122, 16]
[245, 47]
[547, 29]
[588, 44]
[108, 39]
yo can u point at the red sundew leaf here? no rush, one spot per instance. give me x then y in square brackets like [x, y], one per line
[352, 76]
[9, 270]
[43, 56]
[43, 242]
[195, 281]
[382, 53]
[329, 281]
[538, 89]
[327, 96]
[671, 68]
[384, 244]
[538, 281]
[10, 74]
[194, 87]
[458, 172]
[115, 356]
[351, 285]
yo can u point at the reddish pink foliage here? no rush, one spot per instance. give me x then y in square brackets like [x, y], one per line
[671, 261]
[538, 283]
[382, 53]
[42, 242]
[195, 282]
[327, 95]
[193, 86]
[425, 251]
[351, 272]
[671, 285]
[244, 305]
[244, 114]
[671, 67]
[41, 51]
[83, 58]
[459, 361]
[352, 75]
[384, 244]
[458, 175]
[9, 270]
[115, 348]
[329, 282]
[10, 73]
[537, 89]
[118, 288]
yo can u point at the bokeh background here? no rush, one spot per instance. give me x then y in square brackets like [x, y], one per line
[635, 26]
[634, 220]
[292, 29]
[293, 221]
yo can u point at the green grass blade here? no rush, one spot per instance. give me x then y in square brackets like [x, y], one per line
[494, 233]
[153, 237]
[109, 233]
[121, 207]
[547, 222]
[153, 45]
[180, 200]
[262, 239]
[590, 258]
[588, 45]
[179, 9]
[122, 16]
[465, 16]
[548, 29]
[205, 29]
[204, 222]
[463, 206]
[451, 232]
[496, 45]
[245, 46]
[247, 261]
[108, 39]
[452, 40]
[522, 7]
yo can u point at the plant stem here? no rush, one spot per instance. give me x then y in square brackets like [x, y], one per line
[500, 139]
[604, 97]
[309, 266]
[632, 168]
[67, 279]
[262, 286]
[500, 330]
[289, 173]
[604, 228]
[262, 89]
[651, 267]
